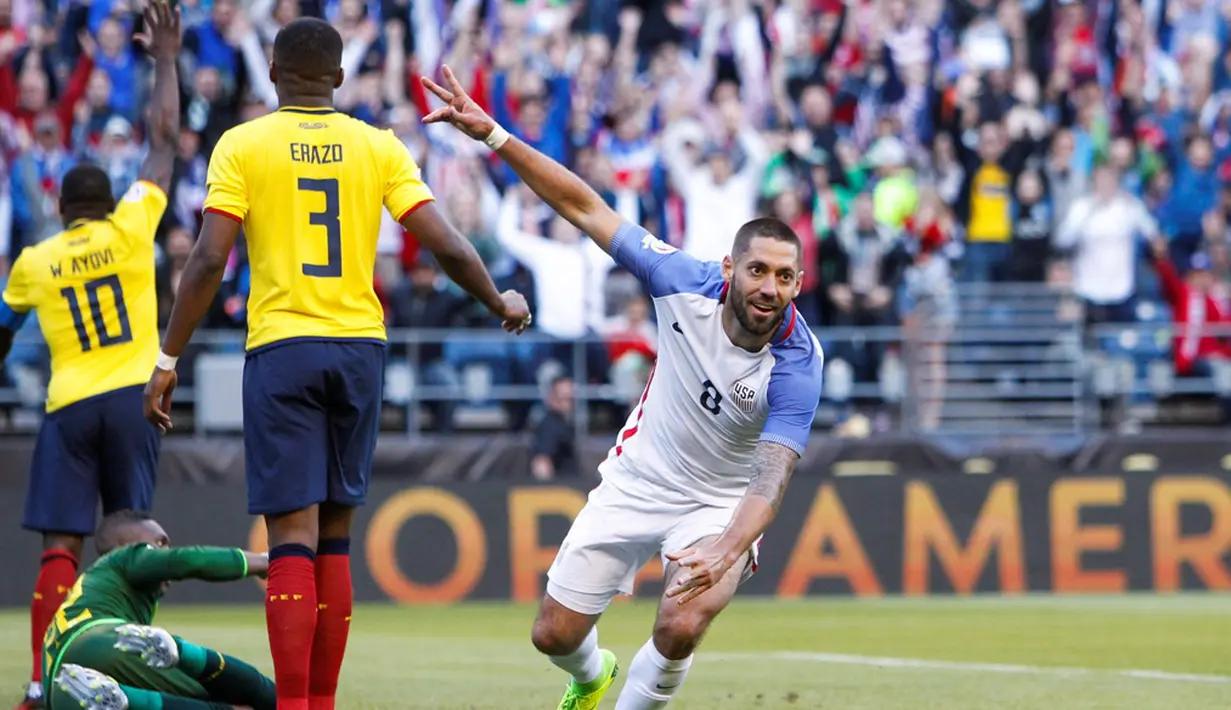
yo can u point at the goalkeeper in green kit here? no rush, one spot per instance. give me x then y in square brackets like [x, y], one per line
[100, 653]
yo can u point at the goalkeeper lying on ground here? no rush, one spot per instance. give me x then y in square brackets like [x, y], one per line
[99, 652]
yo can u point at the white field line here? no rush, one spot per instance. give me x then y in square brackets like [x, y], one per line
[914, 663]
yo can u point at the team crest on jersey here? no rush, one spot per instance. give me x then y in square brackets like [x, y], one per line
[656, 245]
[744, 397]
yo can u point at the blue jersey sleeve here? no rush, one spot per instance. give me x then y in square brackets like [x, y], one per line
[663, 269]
[11, 318]
[794, 393]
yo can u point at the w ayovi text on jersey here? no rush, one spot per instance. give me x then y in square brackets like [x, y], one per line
[86, 263]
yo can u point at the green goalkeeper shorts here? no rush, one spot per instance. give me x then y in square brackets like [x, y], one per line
[95, 648]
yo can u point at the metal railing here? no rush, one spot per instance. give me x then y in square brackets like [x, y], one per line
[494, 347]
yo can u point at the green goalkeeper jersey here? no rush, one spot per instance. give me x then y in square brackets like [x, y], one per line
[124, 586]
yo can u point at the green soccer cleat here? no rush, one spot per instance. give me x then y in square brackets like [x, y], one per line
[588, 696]
[157, 647]
[90, 689]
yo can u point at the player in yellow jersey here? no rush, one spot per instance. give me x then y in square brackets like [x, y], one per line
[308, 184]
[92, 286]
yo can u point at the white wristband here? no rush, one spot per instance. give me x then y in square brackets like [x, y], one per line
[165, 361]
[496, 138]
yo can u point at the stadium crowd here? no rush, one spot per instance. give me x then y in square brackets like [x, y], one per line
[911, 143]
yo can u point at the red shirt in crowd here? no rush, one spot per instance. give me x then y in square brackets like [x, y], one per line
[1192, 312]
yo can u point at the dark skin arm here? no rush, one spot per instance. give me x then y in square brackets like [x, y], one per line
[772, 466]
[203, 275]
[198, 287]
[461, 263]
[563, 191]
[163, 43]
[258, 564]
[6, 343]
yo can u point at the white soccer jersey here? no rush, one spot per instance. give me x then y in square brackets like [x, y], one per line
[708, 402]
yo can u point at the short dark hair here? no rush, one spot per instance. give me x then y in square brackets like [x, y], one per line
[105, 538]
[308, 48]
[86, 184]
[767, 227]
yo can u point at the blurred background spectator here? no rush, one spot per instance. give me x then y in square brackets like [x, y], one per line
[552, 452]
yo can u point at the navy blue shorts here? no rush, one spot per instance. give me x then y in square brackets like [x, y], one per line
[100, 447]
[311, 416]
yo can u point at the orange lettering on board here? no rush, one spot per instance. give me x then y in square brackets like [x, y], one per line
[827, 522]
[528, 557]
[1069, 538]
[1206, 553]
[998, 527]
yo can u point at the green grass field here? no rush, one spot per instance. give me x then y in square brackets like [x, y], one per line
[1062, 654]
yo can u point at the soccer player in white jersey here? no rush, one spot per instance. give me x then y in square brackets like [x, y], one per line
[700, 468]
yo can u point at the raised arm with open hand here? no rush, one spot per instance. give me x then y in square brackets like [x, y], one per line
[162, 40]
[566, 193]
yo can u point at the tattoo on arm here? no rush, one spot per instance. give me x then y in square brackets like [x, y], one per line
[772, 466]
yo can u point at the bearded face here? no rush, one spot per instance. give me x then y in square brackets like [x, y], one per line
[763, 282]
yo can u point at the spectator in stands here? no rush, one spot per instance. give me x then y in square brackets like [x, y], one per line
[188, 188]
[895, 196]
[1194, 307]
[214, 43]
[716, 193]
[1194, 193]
[10, 32]
[569, 272]
[932, 221]
[475, 213]
[984, 206]
[35, 183]
[26, 91]
[1220, 263]
[630, 169]
[946, 172]
[115, 57]
[1064, 177]
[553, 453]
[179, 244]
[829, 205]
[118, 154]
[1103, 231]
[542, 110]
[632, 345]
[928, 308]
[93, 113]
[868, 260]
[420, 303]
[1032, 229]
[1122, 156]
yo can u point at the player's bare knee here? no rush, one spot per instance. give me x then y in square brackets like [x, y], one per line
[72, 544]
[678, 633]
[557, 630]
[335, 520]
[553, 639]
[300, 527]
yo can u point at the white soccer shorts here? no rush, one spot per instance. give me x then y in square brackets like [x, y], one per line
[613, 537]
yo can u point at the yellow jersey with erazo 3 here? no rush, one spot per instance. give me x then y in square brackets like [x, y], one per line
[312, 243]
